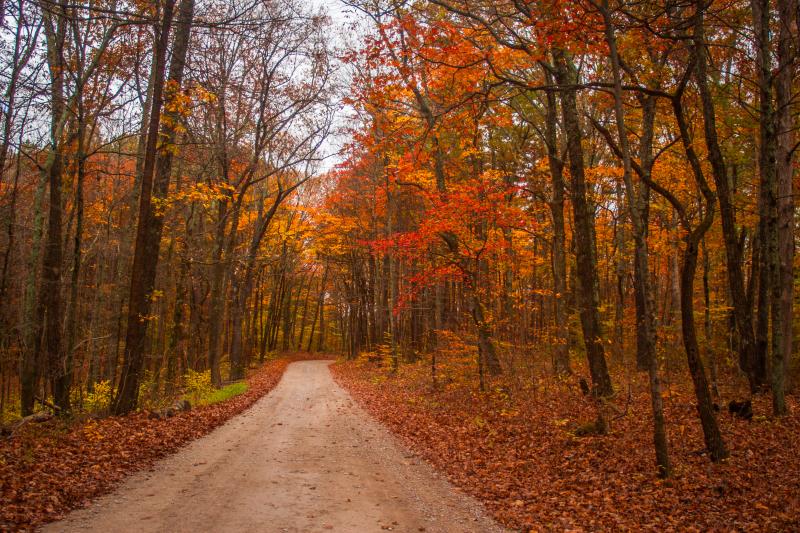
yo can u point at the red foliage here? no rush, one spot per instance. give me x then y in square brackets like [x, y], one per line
[48, 469]
[519, 456]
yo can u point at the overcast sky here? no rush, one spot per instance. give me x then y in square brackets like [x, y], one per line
[342, 33]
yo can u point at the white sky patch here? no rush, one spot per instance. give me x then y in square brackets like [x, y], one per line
[348, 26]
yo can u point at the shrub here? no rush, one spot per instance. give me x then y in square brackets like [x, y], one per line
[198, 386]
[99, 400]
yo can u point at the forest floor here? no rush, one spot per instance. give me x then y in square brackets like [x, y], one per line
[50, 468]
[514, 447]
[304, 458]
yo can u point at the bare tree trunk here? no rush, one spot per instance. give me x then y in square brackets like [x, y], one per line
[645, 327]
[30, 371]
[176, 339]
[155, 184]
[707, 321]
[788, 50]
[392, 280]
[486, 347]
[304, 315]
[713, 439]
[49, 306]
[561, 363]
[769, 288]
[321, 339]
[583, 231]
[72, 310]
[320, 305]
[217, 294]
[750, 361]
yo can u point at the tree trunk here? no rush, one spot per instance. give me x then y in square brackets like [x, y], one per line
[769, 290]
[713, 439]
[304, 314]
[30, 367]
[487, 352]
[155, 184]
[49, 307]
[72, 312]
[320, 305]
[583, 231]
[645, 339]
[561, 363]
[784, 129]
[750, 361]
[217, 294]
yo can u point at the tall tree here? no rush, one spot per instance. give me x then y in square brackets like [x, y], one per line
[156, 171]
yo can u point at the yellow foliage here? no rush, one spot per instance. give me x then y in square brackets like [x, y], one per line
[198, 385]
[99, 400]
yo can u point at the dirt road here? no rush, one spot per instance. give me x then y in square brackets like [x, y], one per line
[304, 458]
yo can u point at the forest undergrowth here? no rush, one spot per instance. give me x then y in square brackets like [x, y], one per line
[515, 447]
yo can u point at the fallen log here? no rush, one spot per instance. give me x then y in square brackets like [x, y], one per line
[35, 418]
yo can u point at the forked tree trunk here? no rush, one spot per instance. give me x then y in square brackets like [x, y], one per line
[156, 174]
[713, 439]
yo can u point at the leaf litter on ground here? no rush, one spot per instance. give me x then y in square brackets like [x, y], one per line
[49, 469]
[515, 449]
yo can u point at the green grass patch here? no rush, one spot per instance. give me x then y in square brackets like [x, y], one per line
[225, 393]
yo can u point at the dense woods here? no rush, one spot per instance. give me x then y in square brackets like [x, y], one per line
[577, 185]
[595, 193]
[153, 156]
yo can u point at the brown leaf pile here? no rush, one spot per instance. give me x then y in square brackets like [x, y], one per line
[48, 469]
[515, 450]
